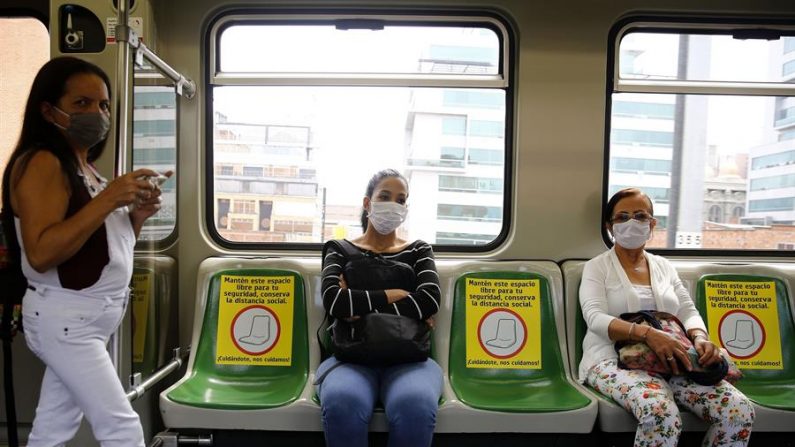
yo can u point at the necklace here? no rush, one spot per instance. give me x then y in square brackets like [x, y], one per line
[90, 179]
[634, 266]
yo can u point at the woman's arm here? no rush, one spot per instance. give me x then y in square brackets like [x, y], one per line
[593, 300]
[595, 309]
[40, 198]
[708, 352]
[424, 301]
[342, 302]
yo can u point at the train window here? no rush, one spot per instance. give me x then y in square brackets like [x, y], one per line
[155, 144]
[299, 129]
[358, 46]
[702, 118]
[24, 48]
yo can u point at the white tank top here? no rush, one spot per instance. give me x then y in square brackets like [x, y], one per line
[645, 296]
[115, 277]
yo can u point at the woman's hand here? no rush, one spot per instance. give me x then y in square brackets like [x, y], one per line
[668, 350]
[148, 201]
[708, 352]
[145, 208]
[128, 188]
[395, 295]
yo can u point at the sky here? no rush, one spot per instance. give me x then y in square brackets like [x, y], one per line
[358, 131]
[734, 123]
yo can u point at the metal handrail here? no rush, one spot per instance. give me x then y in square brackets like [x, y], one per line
[184, 86]
[139, 390]
[675, 86]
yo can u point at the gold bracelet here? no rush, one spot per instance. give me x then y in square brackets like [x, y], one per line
[631, 328]
[700, 335]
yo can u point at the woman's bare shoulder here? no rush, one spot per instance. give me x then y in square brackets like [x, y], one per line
[41, 164]
[38, 177]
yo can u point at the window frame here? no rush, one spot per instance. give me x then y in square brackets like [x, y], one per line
[749, 27]
[481, 17]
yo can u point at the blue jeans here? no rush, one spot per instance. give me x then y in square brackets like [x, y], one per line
[409, 393]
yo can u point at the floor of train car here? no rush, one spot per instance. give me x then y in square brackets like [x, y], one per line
[595, 439]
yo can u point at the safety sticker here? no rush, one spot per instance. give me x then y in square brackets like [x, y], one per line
[743, 319]
[136, 23]
[255, 320]
[503, 324]
[141, 297]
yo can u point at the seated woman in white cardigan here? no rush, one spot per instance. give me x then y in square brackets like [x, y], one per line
[628, 279]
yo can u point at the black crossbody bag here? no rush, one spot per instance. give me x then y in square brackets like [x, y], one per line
[378, 339]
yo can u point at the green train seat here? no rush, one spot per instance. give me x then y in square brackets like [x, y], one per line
[536, 399]
[772, 387]
[227, 391]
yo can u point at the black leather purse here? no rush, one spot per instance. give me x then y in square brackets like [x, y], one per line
[378, 339]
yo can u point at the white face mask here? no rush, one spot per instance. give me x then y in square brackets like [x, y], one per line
[386, 216]
[632, 233]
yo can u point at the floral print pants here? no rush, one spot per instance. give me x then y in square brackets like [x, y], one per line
[653, 401]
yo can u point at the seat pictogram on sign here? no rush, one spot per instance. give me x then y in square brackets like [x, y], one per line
[741, 334]
[502, 333]
[255, 330]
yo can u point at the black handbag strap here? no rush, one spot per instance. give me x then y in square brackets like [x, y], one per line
[319, 379]
[324, 354]
[648, 316]
[346, 247]
[643, 315]
[651, 317]
[351, 251]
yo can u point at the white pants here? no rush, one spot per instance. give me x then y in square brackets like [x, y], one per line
[69, 332]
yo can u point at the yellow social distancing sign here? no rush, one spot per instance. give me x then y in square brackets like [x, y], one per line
[255, 320]
[743, 318]
[503, 327]
[142, 295]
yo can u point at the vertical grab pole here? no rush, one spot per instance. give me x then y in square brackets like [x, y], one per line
[123, 81]
[123, 142]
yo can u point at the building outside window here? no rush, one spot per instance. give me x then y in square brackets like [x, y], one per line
[155, 147]
[708, 133]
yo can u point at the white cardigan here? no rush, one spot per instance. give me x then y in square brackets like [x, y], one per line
[605, 293]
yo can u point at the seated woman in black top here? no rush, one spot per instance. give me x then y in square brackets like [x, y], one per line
[409, 392]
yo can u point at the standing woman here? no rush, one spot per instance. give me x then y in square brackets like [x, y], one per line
[409, 392]
[75, 238]
[628, 279]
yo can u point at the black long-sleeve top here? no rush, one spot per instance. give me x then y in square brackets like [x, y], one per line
[421, 303]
